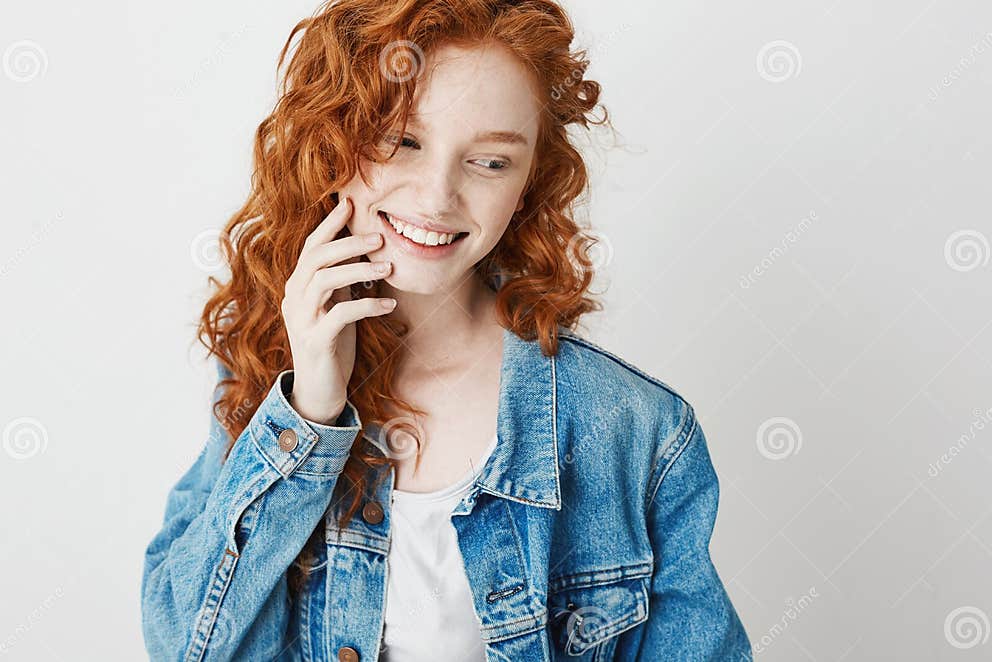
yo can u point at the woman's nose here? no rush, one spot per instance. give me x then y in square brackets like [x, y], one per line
[440, 188]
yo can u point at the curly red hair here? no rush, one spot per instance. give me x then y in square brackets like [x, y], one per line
[337, 99]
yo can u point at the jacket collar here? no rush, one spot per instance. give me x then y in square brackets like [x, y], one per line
[523, 466]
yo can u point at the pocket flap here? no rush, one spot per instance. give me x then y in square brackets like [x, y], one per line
[583, 616]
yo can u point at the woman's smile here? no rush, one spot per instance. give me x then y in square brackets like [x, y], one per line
[417, 240]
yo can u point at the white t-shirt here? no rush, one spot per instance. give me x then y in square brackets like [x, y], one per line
[429, 615]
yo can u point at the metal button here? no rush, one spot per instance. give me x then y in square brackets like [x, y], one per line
[347, 654]
[288, 440]
[372, 512]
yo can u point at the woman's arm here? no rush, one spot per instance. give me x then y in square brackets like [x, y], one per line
[690, 616]
[214, 581]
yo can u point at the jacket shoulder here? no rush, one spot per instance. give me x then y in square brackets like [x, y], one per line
[619, 409]
[621, 423]
[615, 375]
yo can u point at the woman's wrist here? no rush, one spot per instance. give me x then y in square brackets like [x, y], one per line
[315, 414]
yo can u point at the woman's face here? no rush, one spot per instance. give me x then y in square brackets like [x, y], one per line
[461, 168]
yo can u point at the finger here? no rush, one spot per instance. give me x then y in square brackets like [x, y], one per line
[325, 255]
[326, 281]
[346, 312]
[328, 228]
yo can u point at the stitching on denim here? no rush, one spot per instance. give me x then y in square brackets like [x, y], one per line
[626, 621]
[244, 502]
[202, 630]
[511, 497]
[622, 572]
[306, 634]
[610, 355]
[539, 619]
[679, 445]
[642, 617]
[333, 568]
[554, 429]
[261, 451]
[336, 537]
[317, 474]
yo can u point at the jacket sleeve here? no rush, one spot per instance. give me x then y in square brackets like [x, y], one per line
[214, 583]
[690, 616]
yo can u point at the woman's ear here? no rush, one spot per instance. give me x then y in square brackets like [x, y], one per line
[520, 203]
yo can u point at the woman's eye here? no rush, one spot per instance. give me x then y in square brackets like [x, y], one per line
[405, 142]
[494, 164]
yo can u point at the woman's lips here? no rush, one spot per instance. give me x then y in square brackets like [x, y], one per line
[411, 247]
[427, 226]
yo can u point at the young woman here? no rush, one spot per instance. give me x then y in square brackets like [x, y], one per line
[413, 456]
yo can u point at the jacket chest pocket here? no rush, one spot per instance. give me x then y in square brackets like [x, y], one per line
[586, 619]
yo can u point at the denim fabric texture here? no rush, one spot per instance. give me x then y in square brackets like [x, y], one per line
[585, 538]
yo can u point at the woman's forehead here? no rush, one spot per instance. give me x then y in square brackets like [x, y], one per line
[486, 90]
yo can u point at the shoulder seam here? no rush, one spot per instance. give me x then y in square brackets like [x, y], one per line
[669, 452]
[588, 344]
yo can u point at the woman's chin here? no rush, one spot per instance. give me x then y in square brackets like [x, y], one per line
[421, 281]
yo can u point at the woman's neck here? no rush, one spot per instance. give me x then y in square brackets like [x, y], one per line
[446, 328]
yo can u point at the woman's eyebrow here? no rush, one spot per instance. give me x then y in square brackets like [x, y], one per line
[504, 137]
[508, 137]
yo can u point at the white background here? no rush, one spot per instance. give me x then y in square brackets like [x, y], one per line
[851, 170]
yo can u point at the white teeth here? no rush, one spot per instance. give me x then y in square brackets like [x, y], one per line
[419, 235]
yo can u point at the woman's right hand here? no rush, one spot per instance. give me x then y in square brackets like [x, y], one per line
[320, 314]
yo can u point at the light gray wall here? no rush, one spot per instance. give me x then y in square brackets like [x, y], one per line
[795, 237]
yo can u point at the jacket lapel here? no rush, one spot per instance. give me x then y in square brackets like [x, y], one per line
[524, 465]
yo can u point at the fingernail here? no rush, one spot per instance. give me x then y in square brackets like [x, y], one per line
[381, 267]
[388, 304]
[372, 239]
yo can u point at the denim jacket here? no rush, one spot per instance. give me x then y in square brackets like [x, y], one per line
[586, 536]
